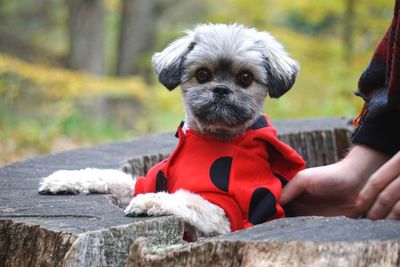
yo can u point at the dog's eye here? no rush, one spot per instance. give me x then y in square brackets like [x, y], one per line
[245, 78]
[203, 75]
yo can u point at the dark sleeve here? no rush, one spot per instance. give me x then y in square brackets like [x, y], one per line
[380, 132]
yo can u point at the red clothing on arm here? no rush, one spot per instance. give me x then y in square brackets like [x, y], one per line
[378, 123]
[244, 176]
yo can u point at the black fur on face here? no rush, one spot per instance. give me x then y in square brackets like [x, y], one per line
[171, 77]
[279, 82]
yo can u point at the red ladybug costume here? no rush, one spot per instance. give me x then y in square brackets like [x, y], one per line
[244, 176]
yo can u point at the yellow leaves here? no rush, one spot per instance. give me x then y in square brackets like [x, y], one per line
[61, 83]
[113, 5]
[43, 108]
[315, 10]
[325, 83]
[252, 13]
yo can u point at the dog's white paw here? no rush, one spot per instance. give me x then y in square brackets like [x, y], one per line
[193, 209]
[149, 204]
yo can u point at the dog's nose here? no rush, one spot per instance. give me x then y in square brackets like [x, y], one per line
[221, 90]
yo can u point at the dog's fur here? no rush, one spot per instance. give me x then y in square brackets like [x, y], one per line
[225, 73]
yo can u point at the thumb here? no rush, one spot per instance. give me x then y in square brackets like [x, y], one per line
[293, 189]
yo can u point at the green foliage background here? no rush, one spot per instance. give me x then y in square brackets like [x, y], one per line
[38, 100]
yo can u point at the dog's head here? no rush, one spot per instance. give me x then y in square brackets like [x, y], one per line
[225, 72]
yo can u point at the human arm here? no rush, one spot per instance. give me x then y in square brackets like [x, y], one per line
[332, 190]
[379, 197]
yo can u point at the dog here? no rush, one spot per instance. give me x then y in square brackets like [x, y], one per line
[229, 167]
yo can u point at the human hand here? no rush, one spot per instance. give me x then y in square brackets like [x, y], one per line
[332, 190]
[323, 191]
[380, 196]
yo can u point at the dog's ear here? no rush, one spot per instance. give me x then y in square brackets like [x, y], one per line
[169, 64]
[281, 70]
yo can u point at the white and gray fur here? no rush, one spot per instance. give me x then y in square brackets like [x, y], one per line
[226, 50]
[220, 107]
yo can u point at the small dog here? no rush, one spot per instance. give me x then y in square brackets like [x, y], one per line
[228, 169]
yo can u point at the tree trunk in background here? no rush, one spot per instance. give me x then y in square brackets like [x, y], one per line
[87, 35]
[348, 30]
[138, 24]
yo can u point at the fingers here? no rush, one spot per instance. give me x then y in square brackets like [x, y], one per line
[294, 188]
[385, 201]
[395, 212]
[381, 193]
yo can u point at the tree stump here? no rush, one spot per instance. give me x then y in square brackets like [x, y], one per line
[89, 230]
[301, 241]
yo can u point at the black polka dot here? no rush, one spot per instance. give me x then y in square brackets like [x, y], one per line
[161, 182]
[219, 172]
[262, 206]
[283, 180]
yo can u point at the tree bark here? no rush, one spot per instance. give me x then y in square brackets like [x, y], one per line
[348, 30]
[138, 24]
[87, 35]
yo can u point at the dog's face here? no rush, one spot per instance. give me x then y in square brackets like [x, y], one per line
[225, 73]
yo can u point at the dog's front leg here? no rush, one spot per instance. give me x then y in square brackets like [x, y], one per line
[192, 208]
[105, 181]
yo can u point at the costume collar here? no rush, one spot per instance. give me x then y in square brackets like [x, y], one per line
[260, 123]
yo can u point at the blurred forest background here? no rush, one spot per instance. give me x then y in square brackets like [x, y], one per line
[77, 72]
